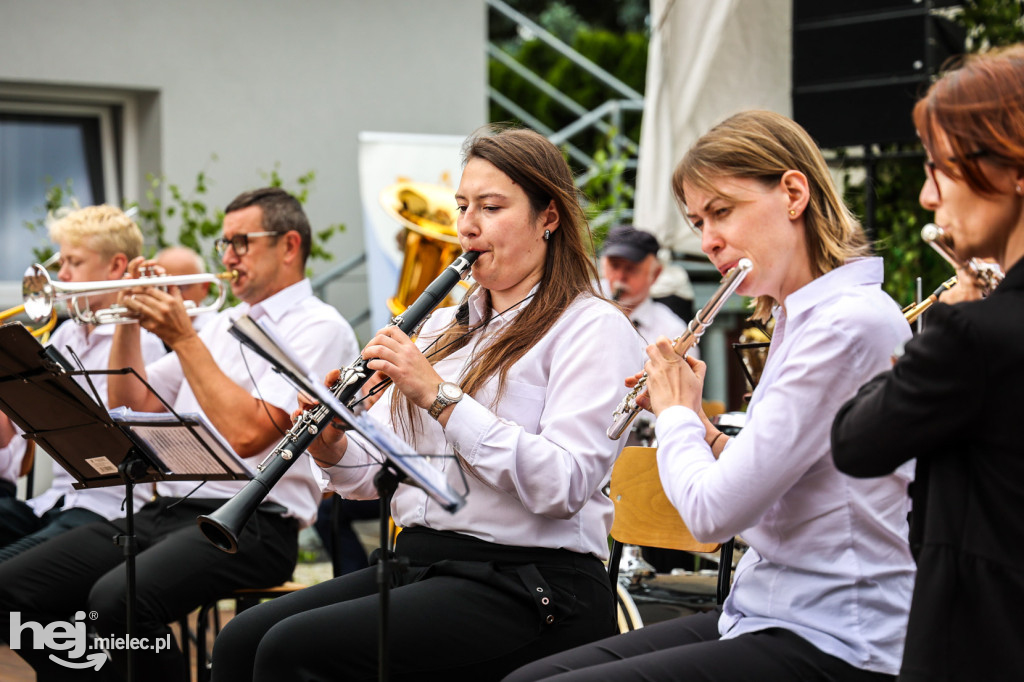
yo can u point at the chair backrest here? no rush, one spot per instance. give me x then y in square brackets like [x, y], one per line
[28, 460]
[643, 514]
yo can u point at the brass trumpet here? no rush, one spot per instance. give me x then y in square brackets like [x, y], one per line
[39, 293]
[914, 310]
[987, 275]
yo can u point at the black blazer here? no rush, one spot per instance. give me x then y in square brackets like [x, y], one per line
[953, 403]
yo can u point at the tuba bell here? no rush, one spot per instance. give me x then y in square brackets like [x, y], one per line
[428, 238]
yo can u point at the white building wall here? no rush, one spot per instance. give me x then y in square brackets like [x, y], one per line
[259, 84]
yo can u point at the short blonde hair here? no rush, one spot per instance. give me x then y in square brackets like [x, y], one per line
[762, 146]
[104, 229]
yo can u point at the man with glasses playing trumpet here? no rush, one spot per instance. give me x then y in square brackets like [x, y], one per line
[95, 244]
[266, 240]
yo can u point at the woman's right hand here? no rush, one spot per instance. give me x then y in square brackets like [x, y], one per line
[672, 380]
[330, 445]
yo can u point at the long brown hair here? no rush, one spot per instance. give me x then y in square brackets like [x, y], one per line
[978, 105]
[762, 146]
[531, 161]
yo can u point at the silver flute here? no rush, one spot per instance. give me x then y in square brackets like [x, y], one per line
[628, 409]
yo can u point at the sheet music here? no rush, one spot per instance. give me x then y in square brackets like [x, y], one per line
[400, 453]
[173, 442]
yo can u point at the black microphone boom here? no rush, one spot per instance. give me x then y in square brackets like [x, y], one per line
[223, 526]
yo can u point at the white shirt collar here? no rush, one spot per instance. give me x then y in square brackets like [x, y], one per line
[478, 308]
[856, 272]
[276, 305]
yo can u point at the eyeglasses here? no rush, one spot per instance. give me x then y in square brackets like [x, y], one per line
[930, 166]
[240, 242]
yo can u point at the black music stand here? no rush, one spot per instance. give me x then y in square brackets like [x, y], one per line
[401, 463]
[41, 396]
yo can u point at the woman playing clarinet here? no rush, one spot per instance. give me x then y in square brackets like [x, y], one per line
[515, 386]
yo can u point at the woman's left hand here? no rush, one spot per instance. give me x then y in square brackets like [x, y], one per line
[392, 353]
[672, 380]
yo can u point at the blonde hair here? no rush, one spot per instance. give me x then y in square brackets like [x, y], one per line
[762, 146]
[104, 229]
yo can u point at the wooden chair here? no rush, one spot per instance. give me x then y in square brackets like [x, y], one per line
[28, 461]
[208, 617]
[645, 517]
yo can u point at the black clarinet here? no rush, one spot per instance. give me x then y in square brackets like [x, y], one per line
[223, 526]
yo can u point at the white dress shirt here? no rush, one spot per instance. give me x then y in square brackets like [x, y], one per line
[313, 331]
[828, 554]
[11, 456]
[653, 319]
[93, 349]
[537, 460]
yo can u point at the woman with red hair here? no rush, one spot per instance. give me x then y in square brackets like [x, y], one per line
[951, 400]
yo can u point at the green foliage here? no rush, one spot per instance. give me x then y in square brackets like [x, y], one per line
[186, 215]
[613, 35]
[898, 216]
[990, 23]
[608, 189]
[898, 219]
[198, 224]
[59, 199]
[622, 55]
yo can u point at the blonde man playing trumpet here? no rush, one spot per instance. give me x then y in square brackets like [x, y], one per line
[266, 240]
[95, 243]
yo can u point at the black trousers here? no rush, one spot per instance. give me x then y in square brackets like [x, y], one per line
[465, 610]
[690, 649]
[53, 523]
[177, 570]
[16, 520]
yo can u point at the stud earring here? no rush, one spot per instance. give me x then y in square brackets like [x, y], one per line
[1020, 190]
[547, 235]
[792, 212]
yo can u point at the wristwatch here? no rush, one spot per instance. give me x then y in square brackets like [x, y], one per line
[447, 394]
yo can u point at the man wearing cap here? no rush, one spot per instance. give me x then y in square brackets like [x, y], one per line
[629, 266]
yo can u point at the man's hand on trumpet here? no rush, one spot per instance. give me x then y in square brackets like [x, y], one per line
[160, 310]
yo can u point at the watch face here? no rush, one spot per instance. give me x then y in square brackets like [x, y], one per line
[451, 391]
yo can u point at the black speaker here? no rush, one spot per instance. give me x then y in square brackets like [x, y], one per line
[859, 66]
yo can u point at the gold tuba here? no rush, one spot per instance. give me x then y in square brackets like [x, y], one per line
[42, 332]
[427, 214]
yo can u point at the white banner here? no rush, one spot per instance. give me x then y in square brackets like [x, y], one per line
[384, 159]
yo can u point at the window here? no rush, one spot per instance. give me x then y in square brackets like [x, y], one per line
[44, 144]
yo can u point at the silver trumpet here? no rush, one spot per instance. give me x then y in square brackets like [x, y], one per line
[628, 409]
[39, 293]
[987, 275]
